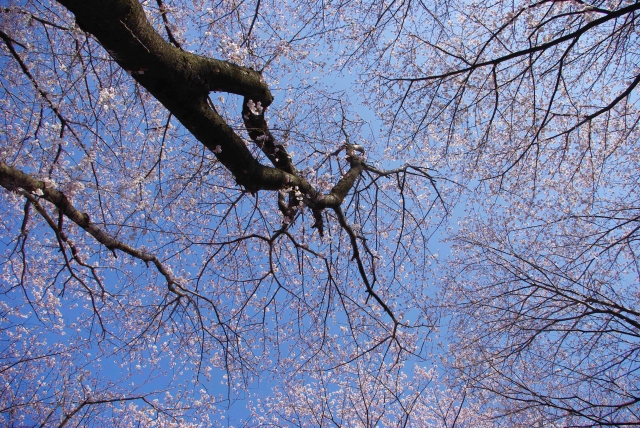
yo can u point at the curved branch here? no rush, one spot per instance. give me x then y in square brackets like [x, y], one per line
[13, 179]
[181, 81]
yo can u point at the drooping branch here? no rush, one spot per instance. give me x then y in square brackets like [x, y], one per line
[409, 170]
[358, 259]
[90, 402]
[13, 179]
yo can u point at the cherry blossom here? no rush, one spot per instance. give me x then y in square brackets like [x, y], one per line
[316, 213]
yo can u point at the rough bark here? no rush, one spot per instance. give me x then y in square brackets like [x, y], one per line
[181, 81]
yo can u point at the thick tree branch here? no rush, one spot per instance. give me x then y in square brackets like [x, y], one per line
[181, 81]
[254, 121]
[346, 183]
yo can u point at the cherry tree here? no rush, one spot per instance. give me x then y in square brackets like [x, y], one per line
[531, 107]
[165, 247]
[197, 206]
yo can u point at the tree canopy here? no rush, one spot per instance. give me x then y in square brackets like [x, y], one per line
[381, 213]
